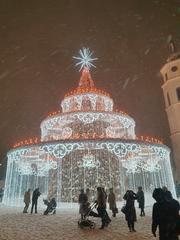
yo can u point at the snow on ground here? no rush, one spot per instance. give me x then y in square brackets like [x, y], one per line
[63, 226]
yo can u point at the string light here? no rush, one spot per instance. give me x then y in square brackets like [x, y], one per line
[86, 145]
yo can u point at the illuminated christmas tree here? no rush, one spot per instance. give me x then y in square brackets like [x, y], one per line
[86, 145]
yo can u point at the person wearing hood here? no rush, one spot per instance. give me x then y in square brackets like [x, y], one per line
[130, 213]
[27, 200]
[141, 200]
[165, 215]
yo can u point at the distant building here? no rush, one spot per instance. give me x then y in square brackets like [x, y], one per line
[171, 89]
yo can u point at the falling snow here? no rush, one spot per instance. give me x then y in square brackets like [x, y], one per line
[22, 59]
[125, 83]
[147, 51]
[4, 74]
[129, 39]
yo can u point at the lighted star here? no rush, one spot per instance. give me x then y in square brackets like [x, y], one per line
[85, 59]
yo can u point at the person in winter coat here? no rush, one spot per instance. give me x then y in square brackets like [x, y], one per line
[83, 203]
[165, 215]
[101, 207]
[27, 200]
[88, 194]
[112, 202]
[108, 220]
[51, 206]
[35, 196]
[130, 212]
[141, 200]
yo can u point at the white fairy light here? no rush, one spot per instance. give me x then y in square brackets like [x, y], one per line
[89, 161]
[114, 125]
[94, 98]
[55, 157]
[87, 145]
[85, 58]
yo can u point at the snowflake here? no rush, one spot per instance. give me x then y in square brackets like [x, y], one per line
[85, 59]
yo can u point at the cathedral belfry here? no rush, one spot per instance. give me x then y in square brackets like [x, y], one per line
[171, 89]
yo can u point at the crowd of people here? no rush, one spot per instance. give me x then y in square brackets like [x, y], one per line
[101, 204]
[51, 205]
[165, 212]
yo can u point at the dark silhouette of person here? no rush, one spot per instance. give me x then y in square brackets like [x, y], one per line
[83, 202]
[141, 200]
[35, 196]
[51, 206]
[165, 215]
[112, 202]
[27, 200]
[130, 213]
[101, 207]
[108, 220]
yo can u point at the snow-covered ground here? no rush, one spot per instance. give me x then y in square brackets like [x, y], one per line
[63, 226]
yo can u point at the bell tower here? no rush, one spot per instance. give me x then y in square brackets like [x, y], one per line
[171, 89]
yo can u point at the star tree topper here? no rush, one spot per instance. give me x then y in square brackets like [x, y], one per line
[85, 59]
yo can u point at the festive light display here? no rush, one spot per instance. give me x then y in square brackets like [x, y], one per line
[85, 146]
[89, 161]
[85, 59]
[93, 125]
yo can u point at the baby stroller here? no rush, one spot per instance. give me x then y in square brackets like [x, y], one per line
[85, 222]
[51, 206]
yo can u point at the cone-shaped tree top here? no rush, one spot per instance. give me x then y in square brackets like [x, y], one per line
[86, 84]
[86, 80]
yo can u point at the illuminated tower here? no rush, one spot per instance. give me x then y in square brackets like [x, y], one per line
[171, 89]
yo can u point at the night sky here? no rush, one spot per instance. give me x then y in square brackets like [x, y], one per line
[39, 38]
